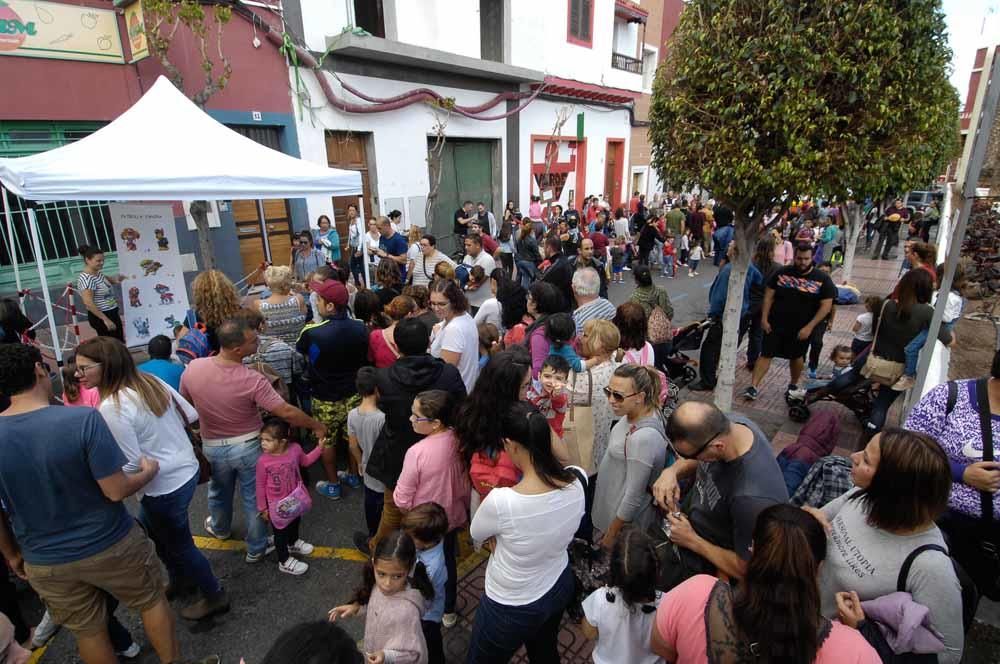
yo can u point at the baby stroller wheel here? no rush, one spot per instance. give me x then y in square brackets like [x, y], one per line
[689, 374]
[799, 413]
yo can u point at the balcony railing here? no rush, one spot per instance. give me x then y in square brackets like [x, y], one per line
[625, 63]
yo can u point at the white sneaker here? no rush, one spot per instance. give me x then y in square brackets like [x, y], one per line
[44, 631]
[301, 548]
[293, 566]
[211, 530]
[131, 653]
[904, 383]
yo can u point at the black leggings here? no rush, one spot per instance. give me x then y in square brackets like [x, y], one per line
[102, 329]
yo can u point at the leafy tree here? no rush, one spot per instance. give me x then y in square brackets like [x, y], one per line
[760, 101]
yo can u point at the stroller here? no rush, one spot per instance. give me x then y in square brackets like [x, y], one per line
[850, 389]
[678, 366]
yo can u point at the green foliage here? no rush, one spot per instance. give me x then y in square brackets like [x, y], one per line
[762, 99]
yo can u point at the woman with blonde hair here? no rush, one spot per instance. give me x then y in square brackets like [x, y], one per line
[413, 252]
[284, 311]
[382, 349]
[147, 418]
[215, 300]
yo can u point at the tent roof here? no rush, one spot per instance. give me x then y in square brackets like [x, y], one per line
[166, 148]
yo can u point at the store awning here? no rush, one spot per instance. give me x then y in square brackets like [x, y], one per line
[166, 148]
[630, 11]
[565, 87]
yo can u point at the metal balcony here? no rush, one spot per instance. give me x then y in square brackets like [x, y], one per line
[625, 63]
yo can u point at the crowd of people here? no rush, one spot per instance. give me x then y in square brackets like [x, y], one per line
[506, 395]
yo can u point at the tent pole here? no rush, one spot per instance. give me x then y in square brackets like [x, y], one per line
[364, 239]
[263, 230]
[11, 242]
[37, 247]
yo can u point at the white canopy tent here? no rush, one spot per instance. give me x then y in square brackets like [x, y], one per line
[164, 148]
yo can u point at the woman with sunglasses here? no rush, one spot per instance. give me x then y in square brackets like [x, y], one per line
[147, 418]
[637, 452]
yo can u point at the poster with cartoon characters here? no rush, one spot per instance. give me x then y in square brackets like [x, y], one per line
[155, 296]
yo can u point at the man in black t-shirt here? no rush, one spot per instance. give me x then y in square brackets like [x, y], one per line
[888, 235]
[464, 216]
[797, 298]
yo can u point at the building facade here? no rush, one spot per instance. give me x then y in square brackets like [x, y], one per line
[532, 100]
[64, 95]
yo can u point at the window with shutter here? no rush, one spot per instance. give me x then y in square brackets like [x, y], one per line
[580, 22]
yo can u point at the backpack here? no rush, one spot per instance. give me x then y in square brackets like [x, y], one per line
[194, 344]
[487, 473]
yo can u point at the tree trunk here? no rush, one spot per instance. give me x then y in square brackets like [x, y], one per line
[745, 238]
[199, 212]
[853, 223]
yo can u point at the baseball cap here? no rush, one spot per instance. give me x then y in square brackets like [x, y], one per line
[331, 291]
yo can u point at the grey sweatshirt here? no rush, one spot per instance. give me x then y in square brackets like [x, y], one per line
[867, 560]
[630, 466]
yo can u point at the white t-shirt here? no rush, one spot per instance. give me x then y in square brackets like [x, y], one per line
[621, 229]
[489, 312]
[413, 253]
[479, 295]
[623, 633]
[953, 308]
[532, 533]
[163, 439]
[459, 335]
[865, 332]
[644, 356]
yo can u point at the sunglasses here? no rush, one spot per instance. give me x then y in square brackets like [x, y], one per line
[697, 453]
[617, 396]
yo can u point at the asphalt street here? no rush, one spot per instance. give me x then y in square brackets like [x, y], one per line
[265, 601]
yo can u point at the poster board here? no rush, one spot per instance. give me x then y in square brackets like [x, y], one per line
[153, 293]
[39, 29]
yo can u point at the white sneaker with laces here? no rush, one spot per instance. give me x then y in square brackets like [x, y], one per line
[131, 653]
[301, 548]
[293, 566]
[44, 631]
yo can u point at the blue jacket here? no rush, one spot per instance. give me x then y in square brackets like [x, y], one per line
[723, 236]
[717, 293]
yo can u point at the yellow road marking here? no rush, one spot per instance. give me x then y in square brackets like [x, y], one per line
[212, 544]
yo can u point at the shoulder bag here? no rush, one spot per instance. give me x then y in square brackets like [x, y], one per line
[878, 369]
[204, 466]
[658, 328]
[578, 429]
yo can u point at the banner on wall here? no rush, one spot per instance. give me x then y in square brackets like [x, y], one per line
[154, 295]
[39, 29]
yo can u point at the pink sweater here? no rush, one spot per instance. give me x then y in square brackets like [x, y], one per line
[392, 624]
[278, 474]
[434, 472]
[88, 397]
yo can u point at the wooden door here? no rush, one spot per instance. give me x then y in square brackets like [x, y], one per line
[279, 234]
[613, 165]
[345, 149]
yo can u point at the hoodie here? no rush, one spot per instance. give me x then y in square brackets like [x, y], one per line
[397, 386]
[393, 625]
[816, 439]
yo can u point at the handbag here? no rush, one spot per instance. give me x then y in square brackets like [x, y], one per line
[204, 465]
[975, 543]
[292, 506]
[878, 369]
[658, 328]
[578, 430]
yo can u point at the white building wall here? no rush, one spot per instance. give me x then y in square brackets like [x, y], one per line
[322, 19]
[447, 25]
[400, 136]
[538, 41]
[599, 125]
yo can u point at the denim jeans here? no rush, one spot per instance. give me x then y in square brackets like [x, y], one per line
[528, 272]
[232, 464]
[499, 630]
[916, 344]
[668, 266]
[166, 521]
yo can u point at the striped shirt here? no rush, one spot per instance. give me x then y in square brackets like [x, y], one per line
[98, 284]
[599, 308]
[284, 359]
[284, 320]
[423, 268]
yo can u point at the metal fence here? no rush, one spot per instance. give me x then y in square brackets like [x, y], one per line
[62, 226]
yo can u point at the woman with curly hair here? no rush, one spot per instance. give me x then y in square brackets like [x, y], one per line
[388, 281]
[214, 300]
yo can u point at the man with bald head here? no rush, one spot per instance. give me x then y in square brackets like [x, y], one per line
[736, 477]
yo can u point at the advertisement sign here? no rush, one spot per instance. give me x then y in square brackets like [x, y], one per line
[37, 29]
[136, 27]
[154, 296]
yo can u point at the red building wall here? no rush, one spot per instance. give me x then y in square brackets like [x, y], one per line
[66, 90]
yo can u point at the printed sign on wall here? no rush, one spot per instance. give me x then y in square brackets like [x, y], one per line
[155, 298]
[39, 29]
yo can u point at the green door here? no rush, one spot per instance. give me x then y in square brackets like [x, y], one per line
[467, 175]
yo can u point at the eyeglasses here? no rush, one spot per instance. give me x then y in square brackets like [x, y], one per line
[414, 418]
[700, 449]
[618, 396]
[82, 369]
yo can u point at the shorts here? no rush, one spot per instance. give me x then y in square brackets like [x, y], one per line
[788, 346]
[76, 593]
[334, 414]
[618, 269]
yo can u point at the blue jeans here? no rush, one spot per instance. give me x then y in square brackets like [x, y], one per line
[232, 464]
[668, 266]
[527, 271]
[166, 521]
[913, 349]
[499, 630]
